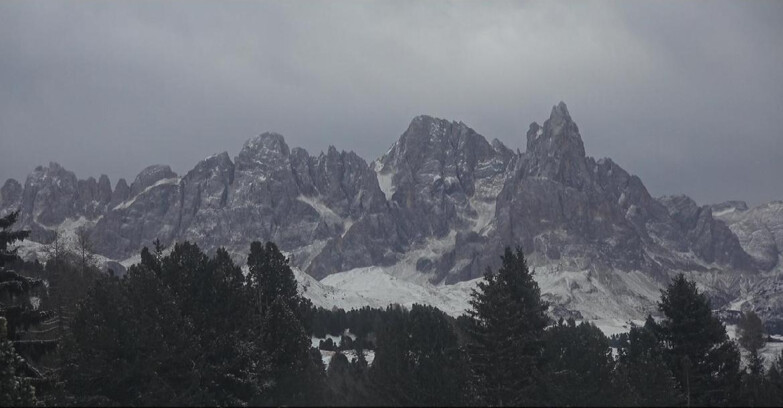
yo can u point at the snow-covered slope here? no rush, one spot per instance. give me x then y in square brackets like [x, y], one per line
[376, 288]
[607, 299]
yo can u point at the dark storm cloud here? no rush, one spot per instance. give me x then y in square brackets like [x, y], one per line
[688, 96]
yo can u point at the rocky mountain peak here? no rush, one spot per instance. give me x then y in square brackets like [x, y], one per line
[10, 194]
[710, 239]
[217, 165]
[559, 137]
[682, 209]
[48, 195]
[266, 151]
[559, 114]
[430, 139]
[53, 171]
[267, 142]
[149, 176]
[53, 175]
[120, 193]
[438, 206]
[220, 160]
[441, 174]
[104, 188]
[432, 128]
[730, 206]
[555, 150]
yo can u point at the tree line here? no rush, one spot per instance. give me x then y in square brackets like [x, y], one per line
[185, 328]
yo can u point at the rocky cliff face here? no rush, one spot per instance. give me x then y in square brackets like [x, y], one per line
[439, 206]
[311, 206]
[442, 180]
[563, 207]
[759, 230]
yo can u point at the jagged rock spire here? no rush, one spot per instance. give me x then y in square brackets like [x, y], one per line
[556, 150]
[442, 201]
[558, 137]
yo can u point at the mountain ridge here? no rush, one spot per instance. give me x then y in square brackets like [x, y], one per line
[439, 207]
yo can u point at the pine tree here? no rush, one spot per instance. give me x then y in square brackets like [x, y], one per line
[15, 305]
[340, 379]
[18, 313]
[15, 386]
[59, 284]
[579, 365]
[390, 378]
[102, 332]
[751, 338]
[417, 359]
[84, 249]
[642, 364]
[271, 277]
[700, 355]
[175, 330]
[507, 324]
[8, 237]
[253, 344]
[295, 379]
[360, 365]
[774, 379]
[295, 376]
[750, 331]
[347, 383]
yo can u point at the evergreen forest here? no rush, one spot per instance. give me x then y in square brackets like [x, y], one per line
[184, 328]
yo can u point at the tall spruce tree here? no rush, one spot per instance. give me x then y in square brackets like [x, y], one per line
[751, 337]
[282, 313]
[295, 379]
[578, 366]
[700, 355]
[774, 380]
[417, 359]
[8, 237]
[15, 386]
[389, 375]
[270, 277]
[342, 382]
[750, 330]
[173, 331]
[20, 314]
[642, 364]
[507, 323]
[15, 289]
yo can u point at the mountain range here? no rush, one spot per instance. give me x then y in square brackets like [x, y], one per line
[434, 212]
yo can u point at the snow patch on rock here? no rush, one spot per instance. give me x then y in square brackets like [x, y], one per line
[384, 179]
[127, 203]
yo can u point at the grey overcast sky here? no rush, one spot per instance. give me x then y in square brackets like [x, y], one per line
[689, 96]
